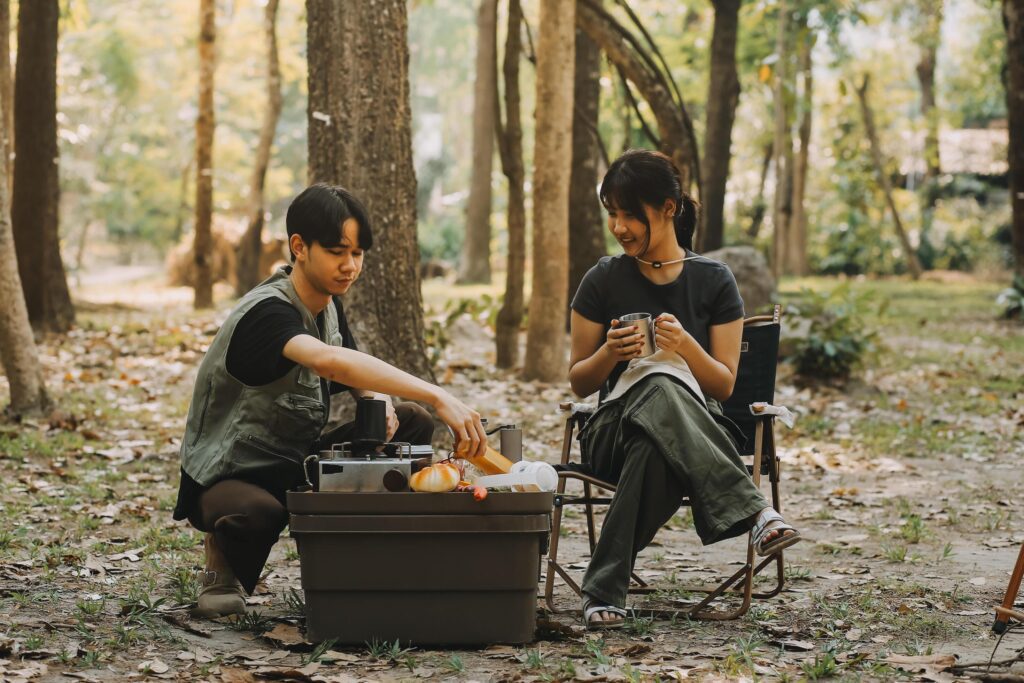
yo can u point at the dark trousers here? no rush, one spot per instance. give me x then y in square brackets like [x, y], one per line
[246, 517]
[658, 445]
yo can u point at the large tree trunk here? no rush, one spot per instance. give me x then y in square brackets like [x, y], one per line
[251, 246]
[796, 250]
[929, 35]
[475, 264]
[782, 207]
[510, 145]
[586, 227]
[675, 130]
[360, 136]
[18, 355]
[1013, 19]
[6, 89]
[35, 200]
[723, 95]
[913, 265]
[202, 240]
[552, 165]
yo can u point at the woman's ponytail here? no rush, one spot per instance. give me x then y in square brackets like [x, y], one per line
[685, 220]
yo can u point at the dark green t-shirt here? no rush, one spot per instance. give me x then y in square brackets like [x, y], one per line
[704, 294]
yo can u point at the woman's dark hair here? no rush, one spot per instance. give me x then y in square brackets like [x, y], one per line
[318, 213]
[641, 177]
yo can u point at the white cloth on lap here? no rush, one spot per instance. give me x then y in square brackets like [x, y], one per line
[661, 362]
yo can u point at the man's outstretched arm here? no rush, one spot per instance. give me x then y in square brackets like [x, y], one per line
[362, 371]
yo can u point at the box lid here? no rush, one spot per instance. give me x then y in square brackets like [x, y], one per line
[413, 503]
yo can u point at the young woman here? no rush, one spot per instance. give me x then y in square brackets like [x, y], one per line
[659, 432]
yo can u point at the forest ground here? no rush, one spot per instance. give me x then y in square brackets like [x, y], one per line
[906, 484]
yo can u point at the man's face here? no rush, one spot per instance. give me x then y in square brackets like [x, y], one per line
[332, 270]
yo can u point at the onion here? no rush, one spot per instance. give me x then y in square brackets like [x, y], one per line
[437, 478]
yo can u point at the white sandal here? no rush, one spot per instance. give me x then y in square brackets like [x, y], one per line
[592, 608]
[769, 520]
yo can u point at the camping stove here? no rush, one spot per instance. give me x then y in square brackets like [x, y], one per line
[351, 468]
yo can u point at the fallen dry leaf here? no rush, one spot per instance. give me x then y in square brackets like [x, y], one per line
[285, 635]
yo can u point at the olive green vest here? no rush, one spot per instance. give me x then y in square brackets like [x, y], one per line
[263, 432]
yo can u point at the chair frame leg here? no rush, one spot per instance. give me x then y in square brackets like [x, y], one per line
[1006, 611]
[740, 581]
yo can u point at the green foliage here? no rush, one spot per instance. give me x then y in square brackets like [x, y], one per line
[454, 664]
[1011, 299]
[823, 666]
[438, 324]
[972, 72]
[253, 622]
[391, 652]
[440, 236]
[319, 651]
[837, 339]
[184, 585]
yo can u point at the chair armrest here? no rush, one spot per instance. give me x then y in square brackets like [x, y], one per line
[781, 412]
[577, 408]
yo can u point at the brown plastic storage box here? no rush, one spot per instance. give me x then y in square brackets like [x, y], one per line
[421, 568]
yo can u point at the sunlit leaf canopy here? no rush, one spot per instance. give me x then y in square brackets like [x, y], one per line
[127, 106]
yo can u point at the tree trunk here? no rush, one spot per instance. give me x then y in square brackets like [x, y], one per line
[782, 207]
[929, 35]
[360, 136]
[586, 226]
[913, 265]
[202, 243]
[675, 130]
[6, 89]
[552, 159]
[251, 246]
[35, 201]
[723, 95]
[926, 77]
[1013, 20]
[796, 251]
[510, 145]
[758, 210]
[18, 355]
[475, 264]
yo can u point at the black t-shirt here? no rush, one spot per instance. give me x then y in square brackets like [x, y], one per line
[255, 358]
[704, 294]
[255, 352]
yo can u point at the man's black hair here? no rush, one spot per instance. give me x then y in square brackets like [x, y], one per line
[318, 213]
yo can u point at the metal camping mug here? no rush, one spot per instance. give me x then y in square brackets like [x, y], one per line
[645, 326]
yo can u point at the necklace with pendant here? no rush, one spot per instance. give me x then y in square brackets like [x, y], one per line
[658, 264]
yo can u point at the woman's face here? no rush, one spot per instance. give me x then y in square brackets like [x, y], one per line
[631, 233]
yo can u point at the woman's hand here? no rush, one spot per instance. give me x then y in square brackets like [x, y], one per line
[465, 425]
[669, 334]
[623, 343]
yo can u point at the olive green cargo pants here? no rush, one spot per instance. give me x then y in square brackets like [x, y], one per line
[659, 443]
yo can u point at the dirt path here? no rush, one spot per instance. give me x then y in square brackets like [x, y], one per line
[906, 486]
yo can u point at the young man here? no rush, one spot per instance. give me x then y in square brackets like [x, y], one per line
[262, 396]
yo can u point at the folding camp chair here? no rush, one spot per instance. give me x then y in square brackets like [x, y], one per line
[1006, 612]
[750, 406]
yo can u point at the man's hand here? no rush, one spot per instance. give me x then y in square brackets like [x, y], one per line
[392, 418]
[465, 425]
